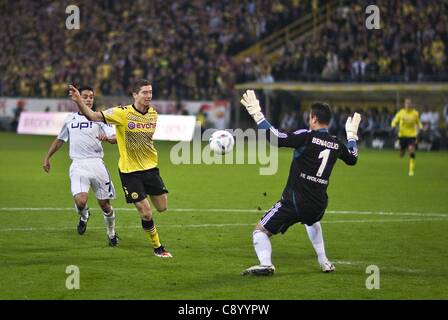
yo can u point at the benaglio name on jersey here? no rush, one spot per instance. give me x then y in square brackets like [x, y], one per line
[326, 144]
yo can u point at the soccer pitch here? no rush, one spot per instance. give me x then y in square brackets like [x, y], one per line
[377, 215]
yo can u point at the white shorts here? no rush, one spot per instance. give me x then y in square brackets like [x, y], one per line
[91, 172]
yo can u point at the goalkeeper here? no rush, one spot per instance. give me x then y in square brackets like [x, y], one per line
[304, 198]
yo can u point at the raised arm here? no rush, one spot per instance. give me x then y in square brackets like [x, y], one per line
[252, 105]
[89, 113]
[349, 153]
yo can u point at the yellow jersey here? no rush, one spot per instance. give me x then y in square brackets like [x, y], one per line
[408, 121]
[134, 131]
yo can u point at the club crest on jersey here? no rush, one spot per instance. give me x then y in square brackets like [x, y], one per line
[81, 125]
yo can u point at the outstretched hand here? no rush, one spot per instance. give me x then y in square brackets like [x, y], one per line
[351, 126]
[76, 97]
[46, 165]
[74, 93]
[104, 137]
[252, 105]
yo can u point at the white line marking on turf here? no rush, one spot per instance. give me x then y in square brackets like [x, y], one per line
[385, 220]
[136, 227]
[390, 213]
[217, 225]
[132, 209]
[381, 267]
[354, 212]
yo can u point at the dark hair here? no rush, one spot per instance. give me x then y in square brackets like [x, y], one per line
[322, 111]
[82, 88]
[141, 83]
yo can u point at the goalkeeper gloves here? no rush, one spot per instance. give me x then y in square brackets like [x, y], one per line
[351, 126]
[252, 105]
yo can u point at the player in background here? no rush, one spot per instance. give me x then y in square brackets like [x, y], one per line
[408, 121]
[304, 198]
[135, 125]
[87, 168]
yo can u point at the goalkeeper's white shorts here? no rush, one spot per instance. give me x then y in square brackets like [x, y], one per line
[91, 172]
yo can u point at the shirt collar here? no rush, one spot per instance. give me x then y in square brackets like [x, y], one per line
[140, 111]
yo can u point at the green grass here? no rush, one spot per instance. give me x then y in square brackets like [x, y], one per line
[211, 248]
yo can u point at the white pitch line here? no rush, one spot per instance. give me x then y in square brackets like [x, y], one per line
[132, 209]
[390, 213]
[134, 227]
[220, 225]
[385, 220]
[336, 262]
[354, 212]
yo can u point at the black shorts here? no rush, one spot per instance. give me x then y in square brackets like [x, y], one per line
[137, 185]
[406, 142]
[284, 214]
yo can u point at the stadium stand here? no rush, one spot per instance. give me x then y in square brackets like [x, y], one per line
[412, 45]
[200, 49]
[186, 47]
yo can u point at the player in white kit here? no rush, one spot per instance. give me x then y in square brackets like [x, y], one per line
[87, 168]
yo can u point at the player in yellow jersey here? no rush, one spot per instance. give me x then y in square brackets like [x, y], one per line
[409, 121]
[135, 125]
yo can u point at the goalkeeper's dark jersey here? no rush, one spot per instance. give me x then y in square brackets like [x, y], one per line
[314, 157]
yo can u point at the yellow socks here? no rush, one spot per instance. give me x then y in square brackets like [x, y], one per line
[151, 232]
[411, 166]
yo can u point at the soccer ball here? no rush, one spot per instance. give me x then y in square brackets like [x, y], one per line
[221, 142]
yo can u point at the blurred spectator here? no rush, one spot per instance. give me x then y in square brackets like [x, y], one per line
[372, 67]
[331, 68]
[358, 68]
[20, 107]
[385, 120]
[445, 115]
[306, 118]
[289, 121]
[335, 122]
[201, 119]
[434, 119]
[267, 78]
[180, 109]
[429, 134]
[425, 117]
[372, 124]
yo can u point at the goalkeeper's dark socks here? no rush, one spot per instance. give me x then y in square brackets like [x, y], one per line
[151, 232]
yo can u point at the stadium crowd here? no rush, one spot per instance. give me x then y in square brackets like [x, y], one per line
[186, 47]
[411, 45]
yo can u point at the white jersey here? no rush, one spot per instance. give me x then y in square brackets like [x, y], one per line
[83, 134]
